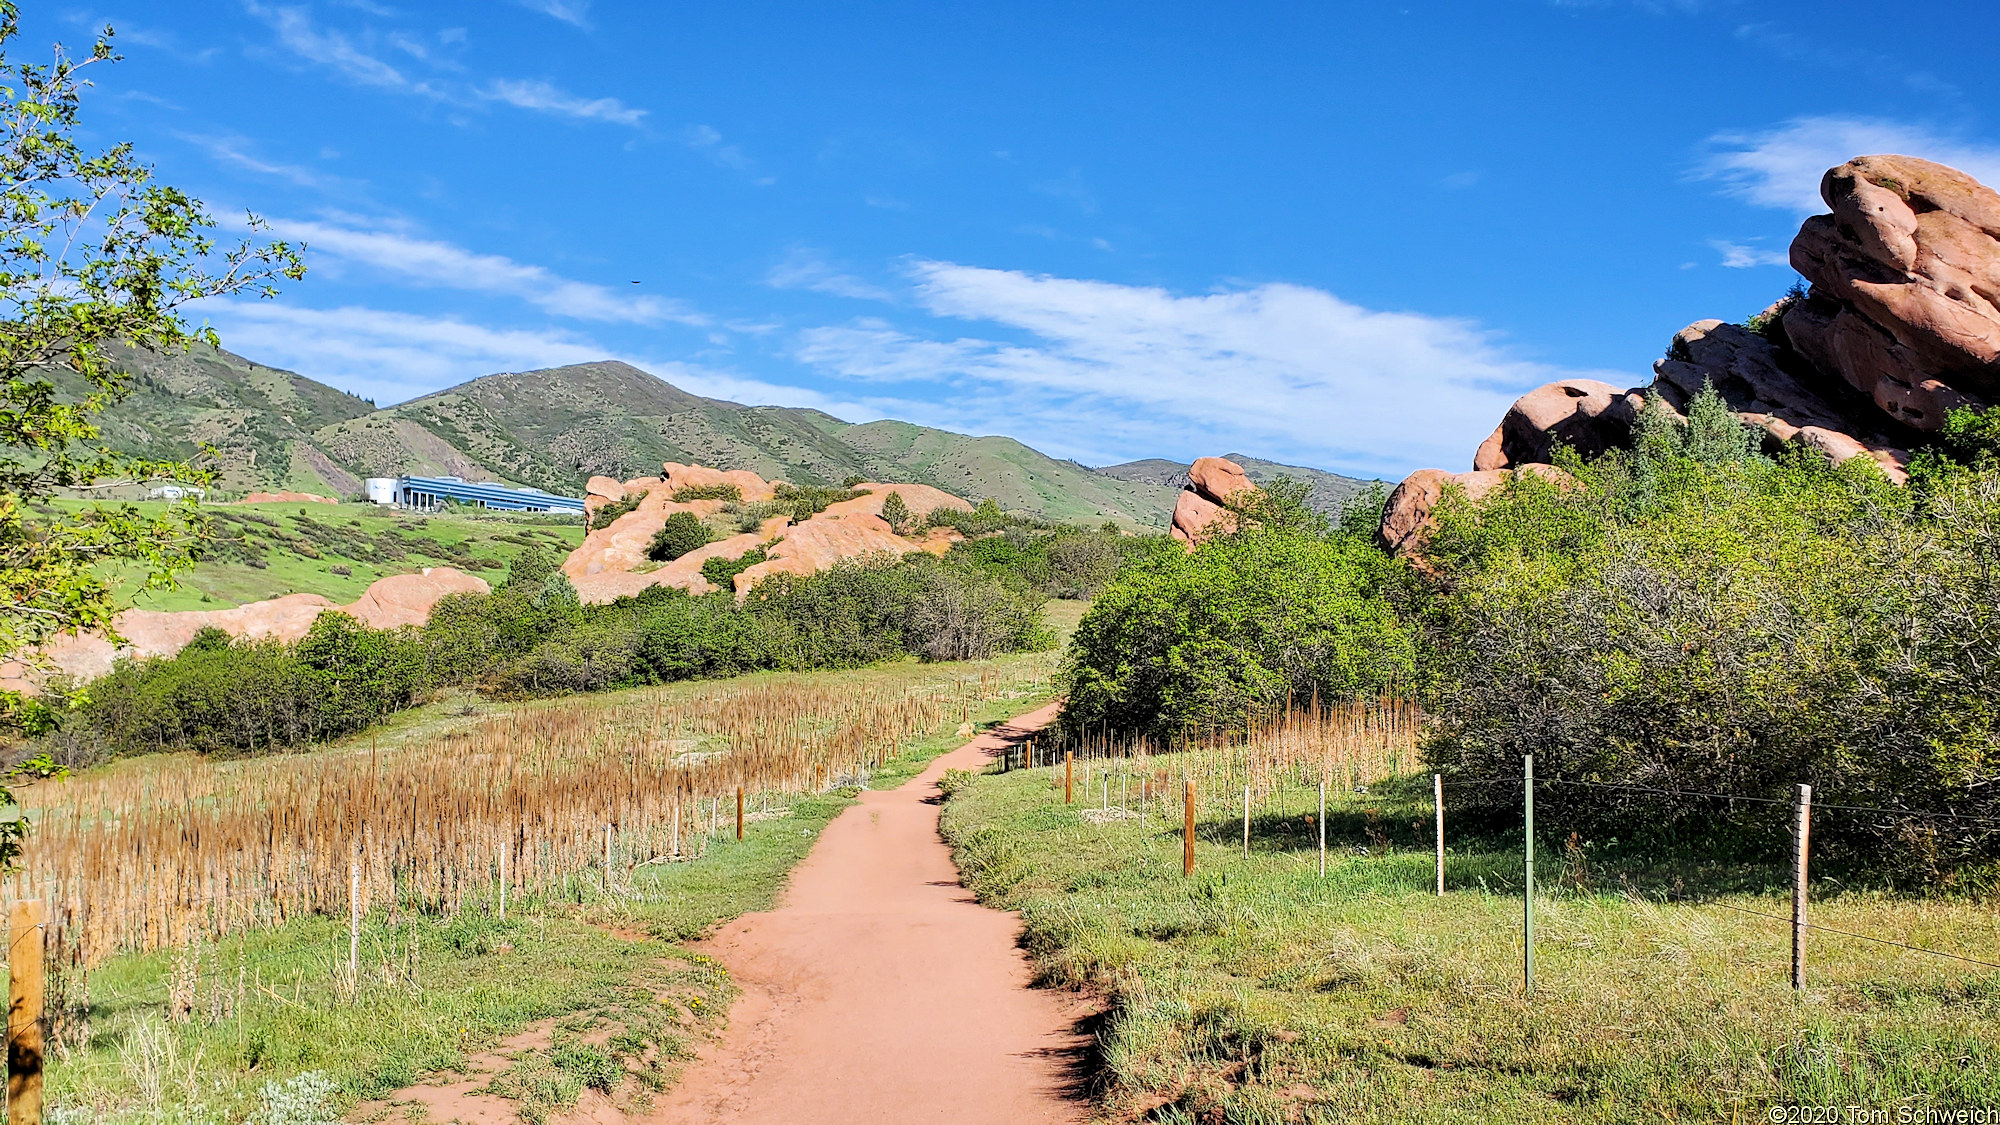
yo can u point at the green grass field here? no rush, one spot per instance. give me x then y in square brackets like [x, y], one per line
[264, 551]
[629, 1002]
[1257, 991]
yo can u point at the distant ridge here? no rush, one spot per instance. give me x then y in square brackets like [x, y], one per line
[1330, 492]
[554, 428]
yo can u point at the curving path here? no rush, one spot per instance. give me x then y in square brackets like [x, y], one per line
[879, 991]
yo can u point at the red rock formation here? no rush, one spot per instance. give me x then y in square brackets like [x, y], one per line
[388, 603]
[1406, 514]
[1584, 414]
[612, 563]
[1203, 503]
[1905, 299]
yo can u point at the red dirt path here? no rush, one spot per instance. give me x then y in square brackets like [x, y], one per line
[879, 992]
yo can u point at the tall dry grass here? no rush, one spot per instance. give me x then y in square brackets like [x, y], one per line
[1348, 746]
[160, 853]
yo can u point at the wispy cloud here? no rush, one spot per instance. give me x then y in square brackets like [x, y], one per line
[1781, 167]
[1737, 256]
[705, 139]
[331, 48]
[546, 98]
[569, 11]
[1103, 371]
[236, 151]
[393, 357]
[387, 356]
[803, 269]
[443, 265]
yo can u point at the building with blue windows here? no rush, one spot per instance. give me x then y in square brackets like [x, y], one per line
[426, 494]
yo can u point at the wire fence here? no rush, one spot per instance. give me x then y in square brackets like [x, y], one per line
[1248, 784]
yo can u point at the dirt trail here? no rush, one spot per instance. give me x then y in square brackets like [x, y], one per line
[879, 991]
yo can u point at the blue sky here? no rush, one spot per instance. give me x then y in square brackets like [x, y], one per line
[1336, 234]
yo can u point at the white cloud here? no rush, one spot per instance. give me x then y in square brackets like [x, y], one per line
[393, 357]
[1737, 256]
[546, 98]
[386, 356]
[1104, 372]
[443, 265]
[235, 151]
[706, 140]
[569, 11]
[803, 269]
[330, 48]
[1782, 167]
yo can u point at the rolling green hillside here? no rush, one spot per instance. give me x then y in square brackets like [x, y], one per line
[264, 551]
[260, 419]
[555, 428]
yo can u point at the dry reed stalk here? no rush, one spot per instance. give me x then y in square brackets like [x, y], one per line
[161, 853]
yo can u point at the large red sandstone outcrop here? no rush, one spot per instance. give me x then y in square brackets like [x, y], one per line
[1905, 298]
[1406, 514]
[1585, 414]
[1901, 325]
[1203, 502]
[612, 563]
[388, 603]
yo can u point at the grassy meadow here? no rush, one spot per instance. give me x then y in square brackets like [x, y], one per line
[1259, 991]
[240, 1022]
[262, 551]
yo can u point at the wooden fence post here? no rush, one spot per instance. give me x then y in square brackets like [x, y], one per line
[1437, 795]
[1187, 831]
[739, 813]
[25, 924]
[1528, 892]
[1322, 828]
[1069, 776]
[1801, 841]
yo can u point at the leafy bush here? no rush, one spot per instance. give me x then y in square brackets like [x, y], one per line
[682, 533]
[1246, 623]
[238, 697]
[896, 511]
[609, 513]
[803, 502]
[532, 637]
[722, 572]
[691, 492]
[1692, 616]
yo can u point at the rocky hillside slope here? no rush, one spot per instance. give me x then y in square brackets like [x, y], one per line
[1900, 324]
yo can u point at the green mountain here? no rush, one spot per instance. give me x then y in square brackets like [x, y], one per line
[555, 428]
[260, 420]
[1330, 491]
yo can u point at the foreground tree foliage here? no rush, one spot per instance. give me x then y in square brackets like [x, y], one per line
[1692, 617]
[93, 252]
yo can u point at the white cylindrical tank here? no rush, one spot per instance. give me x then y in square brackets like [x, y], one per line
[382, 490]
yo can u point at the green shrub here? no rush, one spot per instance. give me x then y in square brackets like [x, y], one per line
[1690, 616]
[1247, 623]
[690, 492]
[722, 572]
[682, 533]
[896, 511]
[609, 513]
[803, 502]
